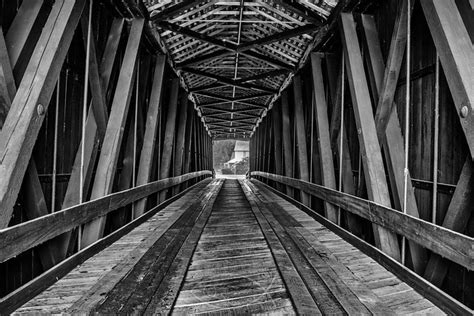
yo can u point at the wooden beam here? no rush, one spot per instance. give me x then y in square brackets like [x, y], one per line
[180, 139]
[277, 137]
[444, 301]
[27, 235]
[18, 135]
[99, 104]
[188, 141]
[287, 144]
[348, 186]
[456, 54]
[295, 9]
[456, 219]
[438, 239]
[92, 139]
[238, 99]
[7, 81]
[170, 130]
[106, 167]
[392, 70]
[35, 204]
[152, 124]
[371, 154]
[203, 58]
[228, 81]
[175, 9]
[392, 139]
[220, 43]
[277, 37]
[324, 141]
[301, 136]
[24, 32]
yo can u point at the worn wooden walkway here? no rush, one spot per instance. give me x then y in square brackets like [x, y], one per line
[231, 247]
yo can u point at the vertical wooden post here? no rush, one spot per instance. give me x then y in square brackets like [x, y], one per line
[188, 142]
[195, 143]
[107, 164]
[301, 137]
[263, 143]
[322, 125]
[180, 138]
[287, 145]
[278, 148]
[152, 124]
[276, 117]
[370, 148]
[170, 129]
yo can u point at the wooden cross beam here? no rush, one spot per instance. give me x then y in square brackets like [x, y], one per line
[231, 128]
[28, 109]
[297, 9]
[230, 100]
[175, 10]
[372, 157]
[227, 81]
[208, 87]
[220, 43]
[322, 125]
[170, 130]
[145, 165]
[392, 139]
[243, 111]
[392, 70]
[348, 186]
[107, 164]
[246, 120]
[35, 203]
[456, 54]
[272, 73]
[305, 29]
[203, 58]
[287, 143]
[301, 136]
[93, 138]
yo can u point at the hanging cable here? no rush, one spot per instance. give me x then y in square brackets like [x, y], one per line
[55, 147]
[407, 121]
[436, 143]
[135, 131]
[84, 117]
[312, 140]
[341, 134]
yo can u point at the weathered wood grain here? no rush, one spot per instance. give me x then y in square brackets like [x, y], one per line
[24, 236]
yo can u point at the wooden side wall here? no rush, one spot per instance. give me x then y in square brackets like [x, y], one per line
[453, 148]
[67, 104]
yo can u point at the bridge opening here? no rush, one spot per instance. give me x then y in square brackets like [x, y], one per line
[328, 142]
[231, 158]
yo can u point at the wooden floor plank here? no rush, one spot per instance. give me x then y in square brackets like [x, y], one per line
[232, 269]
[251, 252]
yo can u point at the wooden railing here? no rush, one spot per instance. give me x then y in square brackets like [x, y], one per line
[454, 246]
[19, 238]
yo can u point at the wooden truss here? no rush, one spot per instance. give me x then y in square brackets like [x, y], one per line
[240, 54]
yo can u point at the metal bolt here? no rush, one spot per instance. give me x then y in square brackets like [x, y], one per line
[40, 109]
[464, 111]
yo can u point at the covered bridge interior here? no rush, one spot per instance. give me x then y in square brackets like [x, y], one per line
[360, 191]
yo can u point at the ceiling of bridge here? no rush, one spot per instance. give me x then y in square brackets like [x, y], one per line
[236, 56]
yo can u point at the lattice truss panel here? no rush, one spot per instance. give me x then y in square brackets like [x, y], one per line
[235, 57]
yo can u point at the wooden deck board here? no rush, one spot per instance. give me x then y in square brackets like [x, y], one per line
[245, 251]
